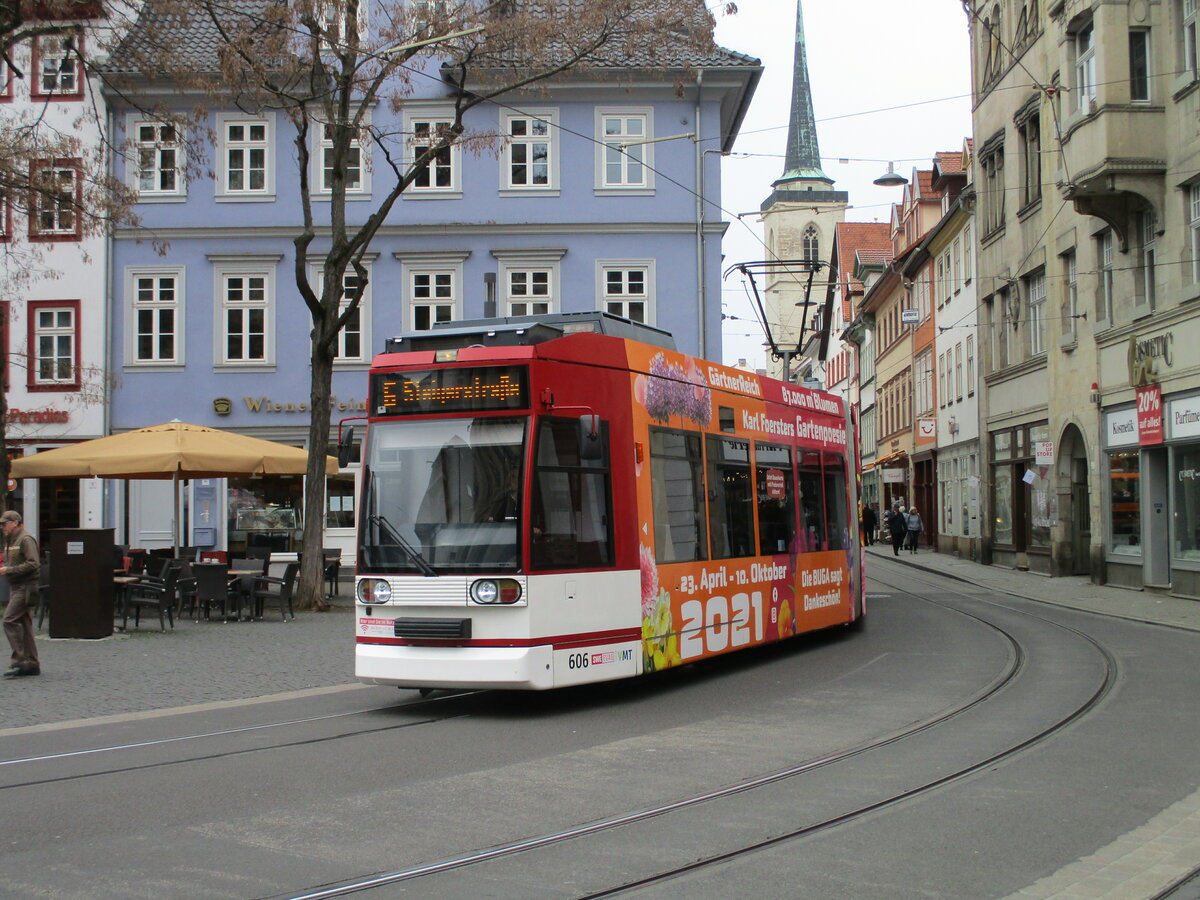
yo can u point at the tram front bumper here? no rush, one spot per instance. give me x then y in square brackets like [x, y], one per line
[528, 668]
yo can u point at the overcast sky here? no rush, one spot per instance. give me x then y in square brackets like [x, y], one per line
[863, 56]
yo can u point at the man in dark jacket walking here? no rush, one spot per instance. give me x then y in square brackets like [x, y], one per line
[21, 567]
[869, 524]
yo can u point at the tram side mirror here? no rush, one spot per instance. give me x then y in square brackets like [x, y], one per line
[345, 446]
[589, 438]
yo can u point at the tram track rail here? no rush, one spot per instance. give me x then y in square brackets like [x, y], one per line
[141, 746]
[1003, 679]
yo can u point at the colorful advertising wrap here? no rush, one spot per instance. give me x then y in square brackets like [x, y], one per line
[696, 609]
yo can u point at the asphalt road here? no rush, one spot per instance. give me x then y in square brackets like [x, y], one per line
[965, 744]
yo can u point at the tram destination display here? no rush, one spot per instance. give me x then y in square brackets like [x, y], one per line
[475, 389]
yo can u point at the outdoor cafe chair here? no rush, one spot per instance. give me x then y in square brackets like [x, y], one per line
[43, 604]
[212, 588]
[185, 587]
[154, 593]
[244, 572]
[259, 553]
[277, 591]
[331, 563]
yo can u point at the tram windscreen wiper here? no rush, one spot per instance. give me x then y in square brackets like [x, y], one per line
[418, 560]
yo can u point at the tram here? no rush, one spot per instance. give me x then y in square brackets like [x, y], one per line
[567, 499]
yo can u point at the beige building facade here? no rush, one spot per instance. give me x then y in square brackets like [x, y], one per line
[1087, 222]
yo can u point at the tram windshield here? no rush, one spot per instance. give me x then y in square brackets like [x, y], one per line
[443, 495]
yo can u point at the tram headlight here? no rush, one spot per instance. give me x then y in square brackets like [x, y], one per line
[496, 591]
[373, 591]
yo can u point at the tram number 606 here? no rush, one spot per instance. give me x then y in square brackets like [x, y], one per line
[577, 661]
[709, 624]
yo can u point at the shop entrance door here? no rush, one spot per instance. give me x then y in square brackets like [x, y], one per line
[1081, 518]
[1155, 525]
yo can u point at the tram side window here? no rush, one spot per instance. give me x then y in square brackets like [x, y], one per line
[730, 497]
[812, 508]
[776, 504]
[835, 502]
[572, 501]
[676, 470]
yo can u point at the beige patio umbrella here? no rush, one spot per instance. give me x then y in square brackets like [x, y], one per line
[170, 450]
[174, 450]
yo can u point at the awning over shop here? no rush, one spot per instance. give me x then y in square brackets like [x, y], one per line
[897, 456]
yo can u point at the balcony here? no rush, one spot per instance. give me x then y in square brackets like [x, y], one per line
[1114, 163]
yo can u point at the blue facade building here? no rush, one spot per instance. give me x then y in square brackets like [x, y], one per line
[598, 192]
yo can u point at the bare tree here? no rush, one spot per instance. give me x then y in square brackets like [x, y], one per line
[328, 64]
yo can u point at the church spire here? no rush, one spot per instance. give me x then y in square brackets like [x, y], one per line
[803, 154]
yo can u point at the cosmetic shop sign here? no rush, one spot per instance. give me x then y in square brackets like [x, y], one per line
[1183, 417]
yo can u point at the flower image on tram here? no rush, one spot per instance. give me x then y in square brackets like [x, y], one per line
[567, 499]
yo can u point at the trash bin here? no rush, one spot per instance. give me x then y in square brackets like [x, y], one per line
[81, 583]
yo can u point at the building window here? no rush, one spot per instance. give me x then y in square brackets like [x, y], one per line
[529, 292]
[1125, 492]
[57, 70]
[1139, 64]
[970, 365]
[442, 173]
[625, 156]
[245, 311]
[1188, 37]
[1084, 43]
[811, 244]
[356, 176]
[5, 217]
[625, 291]
[158, 160]
[923, 383]
[992, 164]
[958, 371]
[54, 345]
[1187, 504]
[433, 298]
[155, 304]
[56, 202]
[245, 155]
[1030, 131]
[1070, 305]
[943, 379]
[528, 156]
[1001, 321]
[1147, 225]
[1194, 226]
[350, 343]
[352, 338]
[1104, 258]
[1035, 287]
[333, 15]
[968, 254]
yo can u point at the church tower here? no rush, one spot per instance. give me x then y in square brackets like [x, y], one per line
[799, 219]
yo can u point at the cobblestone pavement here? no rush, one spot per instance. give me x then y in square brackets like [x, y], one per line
[197, 662]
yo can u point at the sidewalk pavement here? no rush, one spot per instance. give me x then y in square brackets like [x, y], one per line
[1075, 592]
[205, 662]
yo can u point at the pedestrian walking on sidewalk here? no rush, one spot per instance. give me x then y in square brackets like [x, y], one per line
[897, 527]
[915, 526]
[21, 567]
[869, 524]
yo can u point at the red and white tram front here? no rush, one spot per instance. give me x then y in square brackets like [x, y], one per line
[449, 516]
